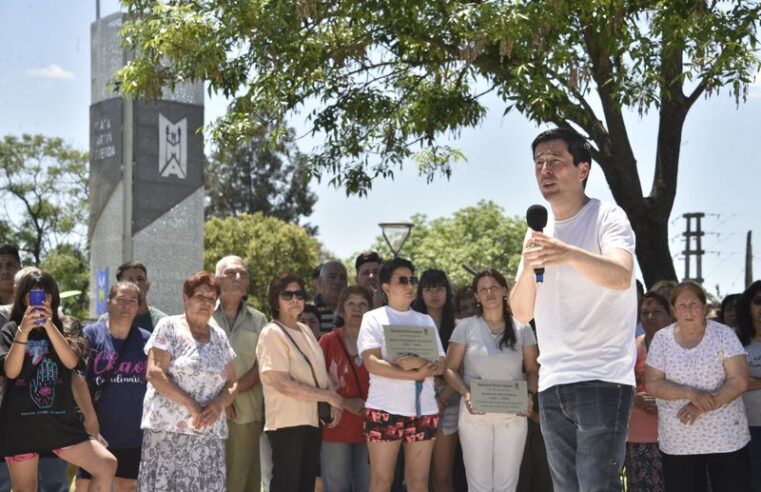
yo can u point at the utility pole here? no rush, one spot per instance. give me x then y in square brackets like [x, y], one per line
[698, 252]
[748, 261]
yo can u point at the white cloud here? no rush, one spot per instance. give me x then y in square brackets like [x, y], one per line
[51, 71]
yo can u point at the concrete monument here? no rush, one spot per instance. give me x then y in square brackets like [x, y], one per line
[146, 181]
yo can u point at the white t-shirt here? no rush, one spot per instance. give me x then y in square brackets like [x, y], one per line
[395, 396]
[483, 359]
[723, 430]
[586, 331]
[752, 398]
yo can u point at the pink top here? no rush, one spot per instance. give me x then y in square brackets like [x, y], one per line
[643, 426]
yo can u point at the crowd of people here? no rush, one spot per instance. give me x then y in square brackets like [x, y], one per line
[647, 390]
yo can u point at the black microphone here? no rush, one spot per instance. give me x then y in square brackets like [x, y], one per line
[536, 217]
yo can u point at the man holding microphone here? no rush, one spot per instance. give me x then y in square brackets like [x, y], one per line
[585, 309]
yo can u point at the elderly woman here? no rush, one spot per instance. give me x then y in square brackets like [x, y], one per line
[38, 413]
[401, 404]
[294, 381]
[644, 469]
[491, 345]
[116, 375]
[344, 450]
[749, 330]
[697, 370]
[192, 381]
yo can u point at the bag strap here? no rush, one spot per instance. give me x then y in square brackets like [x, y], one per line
[285, 330]
[351, 364]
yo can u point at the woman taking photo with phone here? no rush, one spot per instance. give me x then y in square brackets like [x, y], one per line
[38, 413]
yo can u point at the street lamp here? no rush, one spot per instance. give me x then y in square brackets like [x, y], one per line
[395, 234]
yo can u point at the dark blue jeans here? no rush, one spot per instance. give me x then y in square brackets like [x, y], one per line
[585, 426]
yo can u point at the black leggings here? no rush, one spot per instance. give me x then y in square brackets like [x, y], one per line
[728, 472]
[295, 458]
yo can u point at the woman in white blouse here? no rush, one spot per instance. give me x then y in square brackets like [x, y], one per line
[697, 370]
[491, 345]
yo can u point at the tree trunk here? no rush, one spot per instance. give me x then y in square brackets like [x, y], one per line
[653, 253]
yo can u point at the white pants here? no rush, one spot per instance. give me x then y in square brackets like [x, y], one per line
[492, 449]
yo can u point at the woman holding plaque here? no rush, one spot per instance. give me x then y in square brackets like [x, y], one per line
[401, 405]
[491, 346]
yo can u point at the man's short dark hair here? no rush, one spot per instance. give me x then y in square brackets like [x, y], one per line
[316, 272]
[578, 146]
[367, 257]
[11, 250]
[388, 267]
[129, 266]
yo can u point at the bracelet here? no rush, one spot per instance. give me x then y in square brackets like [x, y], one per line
[20, 343]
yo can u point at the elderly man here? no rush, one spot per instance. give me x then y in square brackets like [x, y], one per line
[332, 280]
[242, 324]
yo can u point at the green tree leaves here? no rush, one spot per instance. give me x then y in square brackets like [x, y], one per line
[481, 236]
[43, 182]
[384, 80]
[258, 178]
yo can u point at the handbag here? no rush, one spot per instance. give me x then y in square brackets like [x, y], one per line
[323, 408]
[102, 380]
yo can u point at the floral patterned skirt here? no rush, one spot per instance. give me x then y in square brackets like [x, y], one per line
[181, 462]
[644, 469]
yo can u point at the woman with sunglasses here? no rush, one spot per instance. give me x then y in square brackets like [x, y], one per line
[749, 330]
[401, 405]
[294, 381]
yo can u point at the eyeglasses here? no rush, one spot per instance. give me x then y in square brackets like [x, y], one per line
[756, 301]
[287, 295]
[402, 280]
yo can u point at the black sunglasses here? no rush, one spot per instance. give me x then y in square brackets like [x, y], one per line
[287, 295]
[402, 280]
[756, 301]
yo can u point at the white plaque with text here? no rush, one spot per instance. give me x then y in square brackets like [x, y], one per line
[496, 396]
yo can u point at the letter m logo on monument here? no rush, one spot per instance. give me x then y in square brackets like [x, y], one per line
[173, 148]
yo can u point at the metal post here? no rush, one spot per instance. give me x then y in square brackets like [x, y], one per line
[698, 251]
[128, 163]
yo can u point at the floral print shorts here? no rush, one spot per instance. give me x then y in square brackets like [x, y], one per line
[384, 426]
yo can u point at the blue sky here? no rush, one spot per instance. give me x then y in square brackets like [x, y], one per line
[45, 88]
